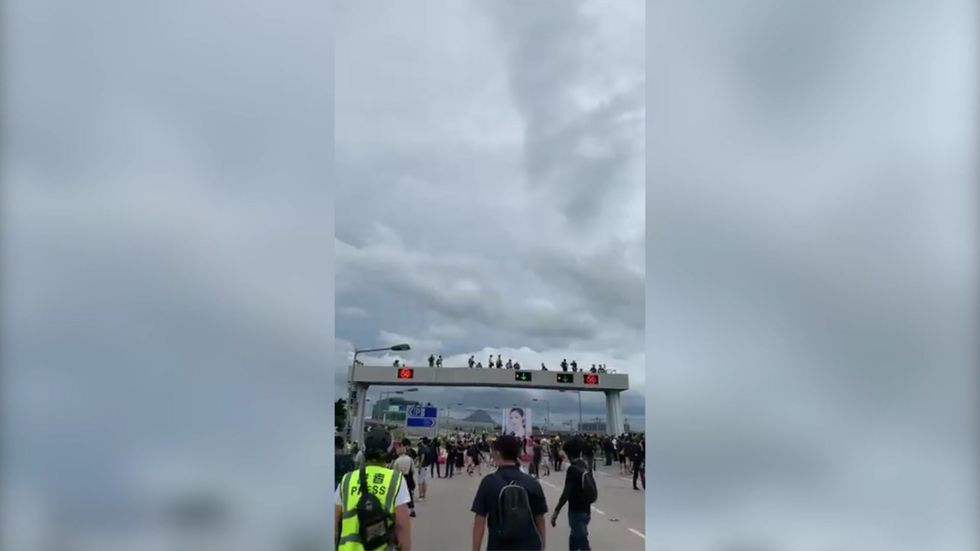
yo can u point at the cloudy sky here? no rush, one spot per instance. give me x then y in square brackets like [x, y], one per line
[490, 187]
[167, 301]
[812, 275]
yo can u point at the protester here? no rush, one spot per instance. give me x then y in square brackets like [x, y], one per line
[471, 362]
[424, 470]
[536, 455]
[432, 360]
[403, 464]
[576, 494]
[450, 458]
[639, 463]
[460, 457]
[343, 461]
[509, 505]
[622, 455]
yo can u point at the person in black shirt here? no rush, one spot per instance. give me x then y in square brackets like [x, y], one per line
[639, 463]
[471, 362]
[432, 360]
[543, 368]
[574, 366]
[536, 457]
[485, 508]
[450, 458]
[500, 363]
[588, 454]
[579, 509]
[564, 364]
[343, 463]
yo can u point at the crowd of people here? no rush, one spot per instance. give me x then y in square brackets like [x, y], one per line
[498, 363]
[400, 470]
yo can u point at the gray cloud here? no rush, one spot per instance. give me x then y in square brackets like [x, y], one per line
[167, 301]
[472, 182]
[812, 276]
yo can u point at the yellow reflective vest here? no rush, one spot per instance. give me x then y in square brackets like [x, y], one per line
[384, 483]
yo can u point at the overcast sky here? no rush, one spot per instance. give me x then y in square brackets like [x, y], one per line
[490, 192]
[812, 275]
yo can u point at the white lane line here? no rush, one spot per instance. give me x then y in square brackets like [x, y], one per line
[548, 483]
[598, 511]
[638, 533]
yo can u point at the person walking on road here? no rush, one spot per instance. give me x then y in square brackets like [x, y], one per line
[424, 468]
[639, 456]
[580, 493]
[509, 505]
[386, 486]
[403, 464]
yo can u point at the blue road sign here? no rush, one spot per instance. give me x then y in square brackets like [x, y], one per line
[421, 416]
[425, 422]
[430, 412]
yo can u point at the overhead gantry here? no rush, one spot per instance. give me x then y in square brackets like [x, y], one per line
[362, 377]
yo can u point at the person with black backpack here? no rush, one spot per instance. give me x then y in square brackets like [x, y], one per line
[509, 505]
[580, 493]
[371, 503]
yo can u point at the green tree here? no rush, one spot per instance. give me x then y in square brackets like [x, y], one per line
[340, 414]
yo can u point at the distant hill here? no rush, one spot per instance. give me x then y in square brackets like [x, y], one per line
[479, 416]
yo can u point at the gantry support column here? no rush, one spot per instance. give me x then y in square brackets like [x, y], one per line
[614, 413]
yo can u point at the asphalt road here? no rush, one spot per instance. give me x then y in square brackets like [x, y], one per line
[445, 523]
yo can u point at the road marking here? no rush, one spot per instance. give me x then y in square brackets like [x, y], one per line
[548, 483]
[598, 511]
[638, 533]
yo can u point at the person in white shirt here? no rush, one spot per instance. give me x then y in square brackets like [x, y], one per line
[405, 464]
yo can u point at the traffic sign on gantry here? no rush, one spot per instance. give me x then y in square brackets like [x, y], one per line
[421, 416]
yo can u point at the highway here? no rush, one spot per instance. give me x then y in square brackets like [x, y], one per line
[445, 523]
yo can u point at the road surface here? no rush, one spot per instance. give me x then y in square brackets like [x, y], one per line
[445, 523]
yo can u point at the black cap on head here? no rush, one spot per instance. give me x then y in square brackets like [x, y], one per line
[378, 440]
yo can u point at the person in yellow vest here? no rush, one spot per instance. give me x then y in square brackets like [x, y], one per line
[392, 494]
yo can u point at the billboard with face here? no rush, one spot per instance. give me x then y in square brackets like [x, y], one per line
[517, 421]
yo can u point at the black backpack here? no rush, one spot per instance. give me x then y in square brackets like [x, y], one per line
[588, 490]
[375, 524]
[514, 513]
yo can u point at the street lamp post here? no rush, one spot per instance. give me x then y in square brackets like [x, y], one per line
[579, 408]
[352, 387]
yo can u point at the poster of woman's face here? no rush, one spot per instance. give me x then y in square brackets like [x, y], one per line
[517, 421]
